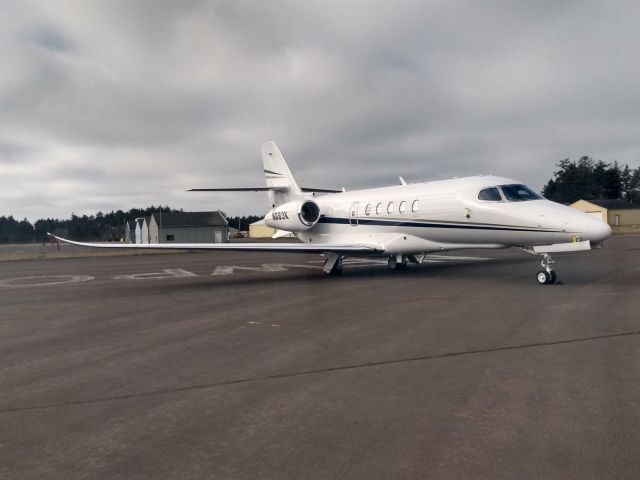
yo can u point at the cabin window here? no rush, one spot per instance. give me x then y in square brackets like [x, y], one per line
[367, 209]
[390, 208]
[171, 238]
[379, 209]
[415, 205]
[403, 207]
[519, 193]
[490, 195]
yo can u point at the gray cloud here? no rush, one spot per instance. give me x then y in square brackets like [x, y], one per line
[107, 105]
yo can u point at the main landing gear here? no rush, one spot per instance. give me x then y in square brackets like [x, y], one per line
[546, 276]
[333, 264]
[397, 262]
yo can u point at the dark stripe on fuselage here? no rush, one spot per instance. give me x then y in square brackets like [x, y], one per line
[403, 223]
[274, 173]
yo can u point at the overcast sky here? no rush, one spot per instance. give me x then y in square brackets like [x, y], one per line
[108, 105]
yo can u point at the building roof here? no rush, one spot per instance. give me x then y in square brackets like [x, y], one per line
[615, 204]
[191, 219]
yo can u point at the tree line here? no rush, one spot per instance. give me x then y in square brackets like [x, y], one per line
[101, 226]
[587, 179]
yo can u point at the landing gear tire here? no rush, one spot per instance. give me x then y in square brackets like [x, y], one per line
[543, 277]
[333, 264]
[396, 263]
[546, 277]
[336, 270]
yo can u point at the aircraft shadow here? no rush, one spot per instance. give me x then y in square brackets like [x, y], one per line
[354, 273]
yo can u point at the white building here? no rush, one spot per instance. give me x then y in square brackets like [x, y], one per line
[130, 231]
[145, 230]
[138, 230]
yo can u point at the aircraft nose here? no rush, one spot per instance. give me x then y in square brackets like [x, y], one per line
[597, 230]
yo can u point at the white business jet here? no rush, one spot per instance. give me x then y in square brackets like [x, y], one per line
[406, 222]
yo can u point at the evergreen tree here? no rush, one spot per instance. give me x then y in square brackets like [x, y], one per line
[634, 186]
[12, 231]
[626, 176]
[573, 180]
[589, 180]
[612, 188]
[599, 179]
[44, 226]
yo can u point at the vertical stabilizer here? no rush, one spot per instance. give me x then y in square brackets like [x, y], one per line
[280, 181]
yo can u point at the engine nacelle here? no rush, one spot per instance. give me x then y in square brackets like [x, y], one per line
[293, 216]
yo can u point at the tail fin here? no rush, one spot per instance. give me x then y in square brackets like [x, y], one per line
[280, 181]
[281, 185]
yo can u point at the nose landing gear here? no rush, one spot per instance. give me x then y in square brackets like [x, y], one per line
[546, 276]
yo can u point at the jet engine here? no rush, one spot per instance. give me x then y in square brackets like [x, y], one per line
[294, 216]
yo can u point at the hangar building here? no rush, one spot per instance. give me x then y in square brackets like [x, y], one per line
[188, 227]
[138, 231]
[260, 230]
[617, 213]
[130, 231]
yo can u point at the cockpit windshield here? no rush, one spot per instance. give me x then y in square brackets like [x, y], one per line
[490, 195]
[519, 193]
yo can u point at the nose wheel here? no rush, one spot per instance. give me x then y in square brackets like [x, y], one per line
[546, 276]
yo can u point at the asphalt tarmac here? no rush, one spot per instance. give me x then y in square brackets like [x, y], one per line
[184, 366]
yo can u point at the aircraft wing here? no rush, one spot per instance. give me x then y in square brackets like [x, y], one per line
[346, 248]
[262, 189]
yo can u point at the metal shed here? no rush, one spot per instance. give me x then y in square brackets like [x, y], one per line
[188, 227]
[130, 231]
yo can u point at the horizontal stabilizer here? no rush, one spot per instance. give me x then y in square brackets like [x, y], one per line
[262, 189]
